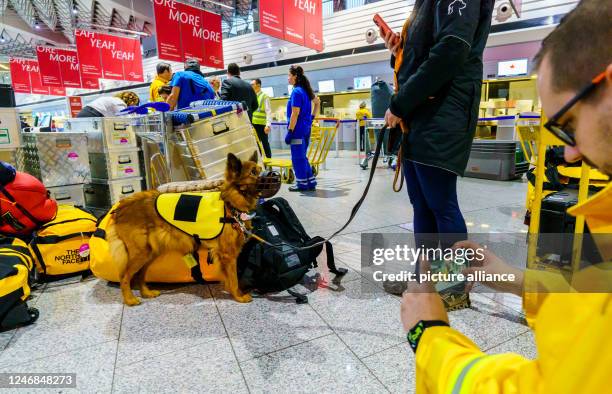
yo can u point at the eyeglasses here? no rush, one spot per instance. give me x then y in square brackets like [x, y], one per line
[561, 131]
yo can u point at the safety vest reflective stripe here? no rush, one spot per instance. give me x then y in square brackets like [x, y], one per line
[457, 388]
[259, 116]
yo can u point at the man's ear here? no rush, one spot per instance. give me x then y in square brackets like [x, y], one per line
[254, 157]
[234, 165]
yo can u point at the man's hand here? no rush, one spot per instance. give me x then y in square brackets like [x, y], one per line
[267, 129]
[491, 264]
[421, 302]
[392, 41]
[391, 120]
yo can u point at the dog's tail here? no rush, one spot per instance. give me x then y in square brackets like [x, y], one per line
[117, 248]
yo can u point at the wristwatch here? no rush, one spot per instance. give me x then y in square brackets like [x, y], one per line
[416, 332]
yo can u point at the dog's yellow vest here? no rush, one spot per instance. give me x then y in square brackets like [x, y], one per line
[196, 214]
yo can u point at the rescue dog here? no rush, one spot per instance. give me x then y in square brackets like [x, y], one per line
[139, 235]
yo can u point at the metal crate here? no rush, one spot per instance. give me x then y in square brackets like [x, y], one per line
[103, 195]
[115, 164]
[56, 159]
[492, 159]
[110, 133]
[68, 195]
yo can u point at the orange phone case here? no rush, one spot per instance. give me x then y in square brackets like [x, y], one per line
[380, 22]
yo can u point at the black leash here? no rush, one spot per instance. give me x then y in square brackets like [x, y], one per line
[354, 211]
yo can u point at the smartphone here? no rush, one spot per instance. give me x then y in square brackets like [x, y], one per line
[380, 22]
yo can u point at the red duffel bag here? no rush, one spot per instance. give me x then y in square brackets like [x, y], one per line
[24, 205]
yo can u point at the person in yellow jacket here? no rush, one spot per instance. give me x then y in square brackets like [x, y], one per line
[572, 331]
[164, 75]
[362, 114]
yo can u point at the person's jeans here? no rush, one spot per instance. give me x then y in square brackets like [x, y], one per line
[433, 194]
[263, 137]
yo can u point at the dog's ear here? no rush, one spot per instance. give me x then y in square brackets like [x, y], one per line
[234, 165]
[254, 157]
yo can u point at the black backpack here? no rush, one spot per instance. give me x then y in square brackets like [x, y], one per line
[267, 268]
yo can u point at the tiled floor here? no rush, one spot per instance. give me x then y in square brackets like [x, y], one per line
[196, 339]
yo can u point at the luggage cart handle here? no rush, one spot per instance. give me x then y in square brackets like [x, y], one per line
[127, 189]
[224, 129]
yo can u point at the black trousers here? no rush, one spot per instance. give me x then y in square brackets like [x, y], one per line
[88, 112]
[263, 137]
[362, 137]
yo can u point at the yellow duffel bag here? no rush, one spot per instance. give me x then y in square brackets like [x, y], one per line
[169, 268]
[61, 246]
[15, 267]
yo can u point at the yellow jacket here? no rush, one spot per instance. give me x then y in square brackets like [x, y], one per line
[157, 83]
[361, 114]
[572, 334]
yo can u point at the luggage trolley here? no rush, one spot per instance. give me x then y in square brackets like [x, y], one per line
[321, 139]
[203, 135]
[373, 125]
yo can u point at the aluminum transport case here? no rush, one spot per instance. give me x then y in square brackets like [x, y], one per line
[103, 195]
[68, 195]
[113, 165]
[203, 136]
[492, 159]
[107, 134]
[55, 158]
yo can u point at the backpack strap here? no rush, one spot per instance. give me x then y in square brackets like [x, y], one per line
[287, 215]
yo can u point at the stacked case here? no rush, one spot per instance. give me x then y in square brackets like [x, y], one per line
[59, 161]
[113, 157]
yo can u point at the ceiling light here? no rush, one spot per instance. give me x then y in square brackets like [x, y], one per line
[37, 26]
[75, 11]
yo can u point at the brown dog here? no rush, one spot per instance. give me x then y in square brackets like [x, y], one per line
[140, 235]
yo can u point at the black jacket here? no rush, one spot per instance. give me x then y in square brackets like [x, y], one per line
[440, 80]
[235, 89]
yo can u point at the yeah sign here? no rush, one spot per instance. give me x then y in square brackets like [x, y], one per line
[185, 32]
[107, 56]
[296, 21]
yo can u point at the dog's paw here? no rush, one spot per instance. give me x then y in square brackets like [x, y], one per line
[244, 298]
[131, 301]
[150, 294]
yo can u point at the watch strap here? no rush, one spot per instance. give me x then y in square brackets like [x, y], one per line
[416, 332]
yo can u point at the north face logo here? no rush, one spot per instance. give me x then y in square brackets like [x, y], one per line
[456, 5]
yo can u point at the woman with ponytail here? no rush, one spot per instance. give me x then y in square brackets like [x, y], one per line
[299, 114]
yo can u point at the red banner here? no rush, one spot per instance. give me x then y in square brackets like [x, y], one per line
[20, 75]
[111, 53]
[185, 32]
[108, 56]
[90, 82]
[191, 26]
[57, 91]
[69, 66]
[75, 103]
[35, 79]
[313, 25]
[168, 40]
[297, 21]
[271, 20]
[89, 54]
[294, 22]
[50, 72]
[213, 40]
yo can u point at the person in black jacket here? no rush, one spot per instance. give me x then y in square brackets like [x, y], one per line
[235, 89]
[439, 80]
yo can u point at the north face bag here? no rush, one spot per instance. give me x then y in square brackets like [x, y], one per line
[16, 264]
[267, 268]
[61, 246]
[169, 268]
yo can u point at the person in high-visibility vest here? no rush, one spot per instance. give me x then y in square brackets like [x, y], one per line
[570, 313]
[262, 117]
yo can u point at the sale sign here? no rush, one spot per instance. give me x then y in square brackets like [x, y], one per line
[296, 21]
[75, 103]
[69, 67]
[108, 56]
[271, 21]
[20, 78]
[186, 32]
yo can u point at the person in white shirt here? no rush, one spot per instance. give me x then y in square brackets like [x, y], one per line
[109, 106]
